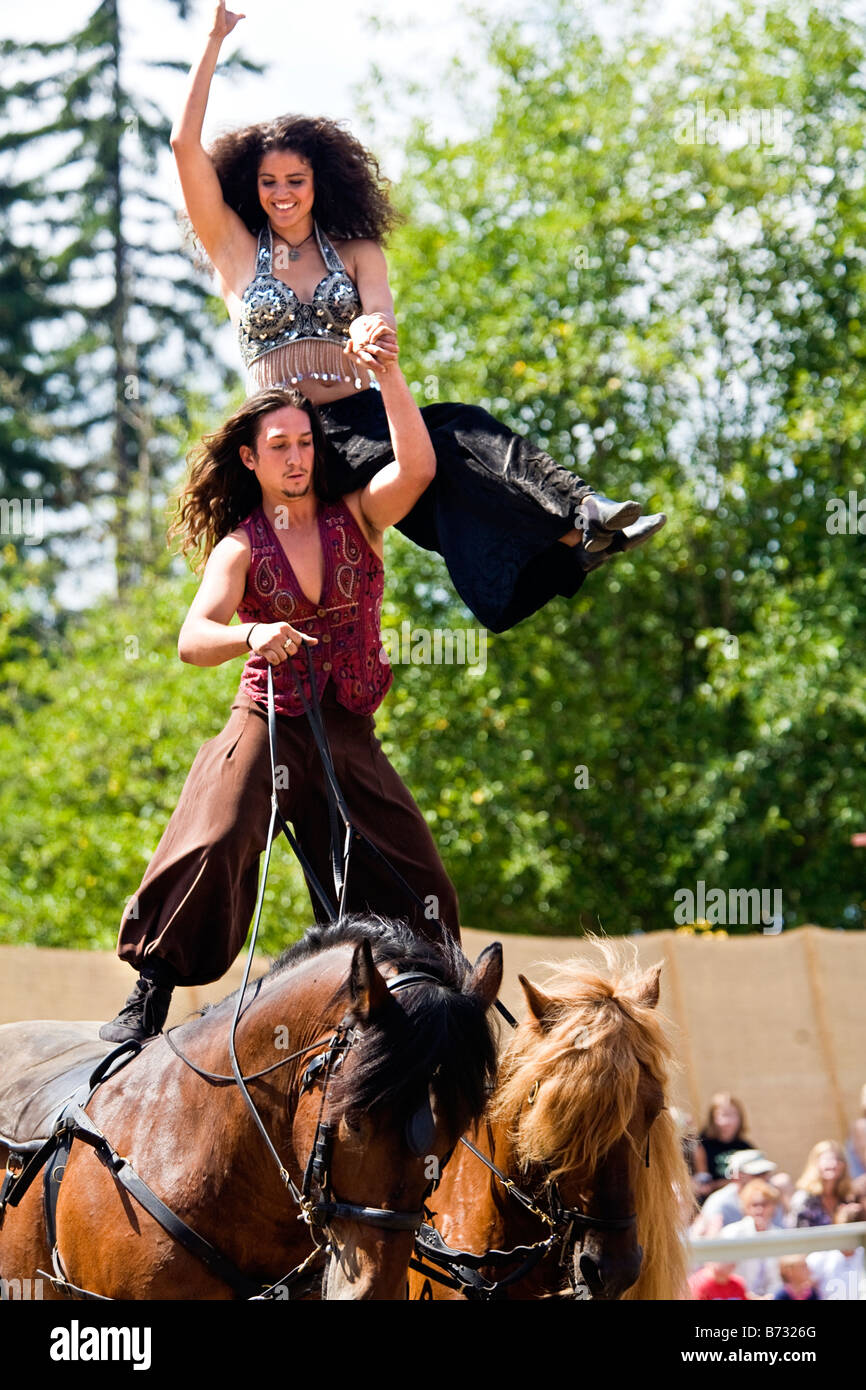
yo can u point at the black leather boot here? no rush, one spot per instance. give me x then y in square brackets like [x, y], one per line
[145, 1011]
[601, 518]
[627, 539]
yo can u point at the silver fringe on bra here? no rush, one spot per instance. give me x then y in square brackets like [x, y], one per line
[306, 359]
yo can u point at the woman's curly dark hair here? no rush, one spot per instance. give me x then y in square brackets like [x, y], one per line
[351, 193]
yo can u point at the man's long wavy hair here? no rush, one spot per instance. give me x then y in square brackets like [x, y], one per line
[221, 491]
[351, 194]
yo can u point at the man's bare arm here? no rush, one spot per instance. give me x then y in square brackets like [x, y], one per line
[207, 639]
[395, 489]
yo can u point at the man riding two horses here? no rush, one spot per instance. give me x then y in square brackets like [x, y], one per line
[305, 574]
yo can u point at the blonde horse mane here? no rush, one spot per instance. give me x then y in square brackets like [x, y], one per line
[585, 1056]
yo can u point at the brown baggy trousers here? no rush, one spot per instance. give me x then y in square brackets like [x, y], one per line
[196, 900]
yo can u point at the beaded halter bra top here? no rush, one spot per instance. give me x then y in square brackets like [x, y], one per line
[284, 341]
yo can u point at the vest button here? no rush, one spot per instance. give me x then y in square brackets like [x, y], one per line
[326, 665]
[320, 612]
[326, 636]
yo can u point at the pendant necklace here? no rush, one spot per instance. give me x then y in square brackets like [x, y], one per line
[295, 251]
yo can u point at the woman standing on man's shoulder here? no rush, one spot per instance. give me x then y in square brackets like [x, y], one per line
[292, 214]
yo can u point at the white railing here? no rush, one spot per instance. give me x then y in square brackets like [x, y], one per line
[777, 1242]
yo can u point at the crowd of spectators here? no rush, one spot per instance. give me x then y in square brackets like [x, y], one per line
[741, 1192]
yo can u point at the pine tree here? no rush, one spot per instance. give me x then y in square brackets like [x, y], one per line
[27, 470]
[132, 323]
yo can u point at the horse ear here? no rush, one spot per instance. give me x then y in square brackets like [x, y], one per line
[368, 990]
[486, 978]
[646, 991]
[540, 1005]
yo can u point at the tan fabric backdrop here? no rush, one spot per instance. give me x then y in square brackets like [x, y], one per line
[779, 1021]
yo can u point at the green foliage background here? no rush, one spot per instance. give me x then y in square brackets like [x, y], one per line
[680, 322]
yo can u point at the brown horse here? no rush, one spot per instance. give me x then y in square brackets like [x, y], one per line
[366, 1086]
[577, 1124]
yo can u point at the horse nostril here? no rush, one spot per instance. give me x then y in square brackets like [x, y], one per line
[590, 1274]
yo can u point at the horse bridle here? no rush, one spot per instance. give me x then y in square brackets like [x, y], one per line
[460, 1269]
[419, 1132]
[317, 1213]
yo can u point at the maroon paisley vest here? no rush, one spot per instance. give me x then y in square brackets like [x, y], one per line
[346, 619]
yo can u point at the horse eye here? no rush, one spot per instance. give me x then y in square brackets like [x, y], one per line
[353, 1125]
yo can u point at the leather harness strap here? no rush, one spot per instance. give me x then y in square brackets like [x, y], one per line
[75, 1123]
[13, 1191]
[464, 1266]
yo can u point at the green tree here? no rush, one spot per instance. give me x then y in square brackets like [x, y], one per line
[676, 318]
[25, 396]
[674, 313]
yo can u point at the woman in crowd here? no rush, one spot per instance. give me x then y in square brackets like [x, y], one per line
[823, 1186]
[723, 1134]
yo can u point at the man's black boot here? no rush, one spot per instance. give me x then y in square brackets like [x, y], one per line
[146, 1009]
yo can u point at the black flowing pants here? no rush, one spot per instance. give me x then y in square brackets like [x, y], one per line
[495, 510]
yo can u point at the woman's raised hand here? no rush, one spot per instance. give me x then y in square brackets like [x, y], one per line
[220, 230]
[224, 21]
[368, 329]
[372, 340]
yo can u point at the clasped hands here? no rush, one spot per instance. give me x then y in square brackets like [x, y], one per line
[373, 341]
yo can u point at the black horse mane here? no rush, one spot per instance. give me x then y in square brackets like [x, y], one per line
[431, 1034]
[390, 941]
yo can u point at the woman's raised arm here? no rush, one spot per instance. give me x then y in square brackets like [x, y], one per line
[375, 329]
[218, 227]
